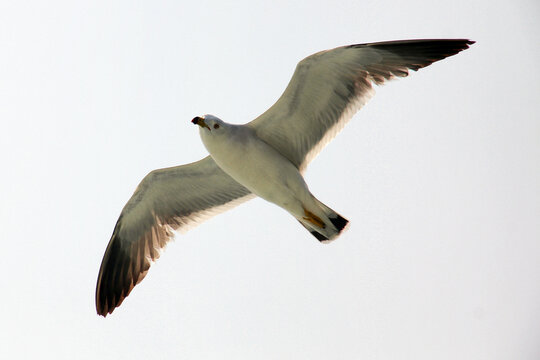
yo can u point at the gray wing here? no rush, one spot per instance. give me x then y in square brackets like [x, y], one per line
[166, 200]
[329, 87]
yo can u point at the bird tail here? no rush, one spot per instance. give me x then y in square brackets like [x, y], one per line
[324, 228]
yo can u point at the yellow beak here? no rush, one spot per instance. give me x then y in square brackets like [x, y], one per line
[200, 121]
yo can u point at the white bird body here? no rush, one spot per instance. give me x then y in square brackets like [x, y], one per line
[265, 157]
[259, 167]
[252, 162]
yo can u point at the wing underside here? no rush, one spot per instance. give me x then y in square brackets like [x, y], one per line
[167, 200]
[329, 87]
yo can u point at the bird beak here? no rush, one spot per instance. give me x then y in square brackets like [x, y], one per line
[200, 121]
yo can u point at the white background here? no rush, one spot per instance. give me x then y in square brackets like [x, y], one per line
[439, 175]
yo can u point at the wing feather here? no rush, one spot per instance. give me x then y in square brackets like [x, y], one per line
[329, 87]
[166, 200]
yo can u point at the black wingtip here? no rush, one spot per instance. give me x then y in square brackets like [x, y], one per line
[117, 276]
[434, 49]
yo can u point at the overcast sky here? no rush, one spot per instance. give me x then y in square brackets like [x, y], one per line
[439, 175]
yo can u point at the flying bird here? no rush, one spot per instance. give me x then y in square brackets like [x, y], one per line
[265, 157]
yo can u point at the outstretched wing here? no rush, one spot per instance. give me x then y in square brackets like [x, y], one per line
[329, 87]
[166, 200]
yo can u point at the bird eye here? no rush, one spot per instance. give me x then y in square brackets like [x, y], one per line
[216, 126]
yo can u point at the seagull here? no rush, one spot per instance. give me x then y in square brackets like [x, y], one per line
[266, 157]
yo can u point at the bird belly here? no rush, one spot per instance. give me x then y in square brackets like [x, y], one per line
[264, 171]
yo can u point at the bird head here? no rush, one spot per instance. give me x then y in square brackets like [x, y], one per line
[209, 122]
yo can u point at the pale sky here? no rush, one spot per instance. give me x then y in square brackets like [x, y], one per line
[439, 175]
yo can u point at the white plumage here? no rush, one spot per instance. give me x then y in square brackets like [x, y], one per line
[263, 170]
[265, 157]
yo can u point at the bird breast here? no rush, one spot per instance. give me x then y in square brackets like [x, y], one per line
[256, 165]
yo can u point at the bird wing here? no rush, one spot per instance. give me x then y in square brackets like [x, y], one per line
[166, 200]
[329, 87]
